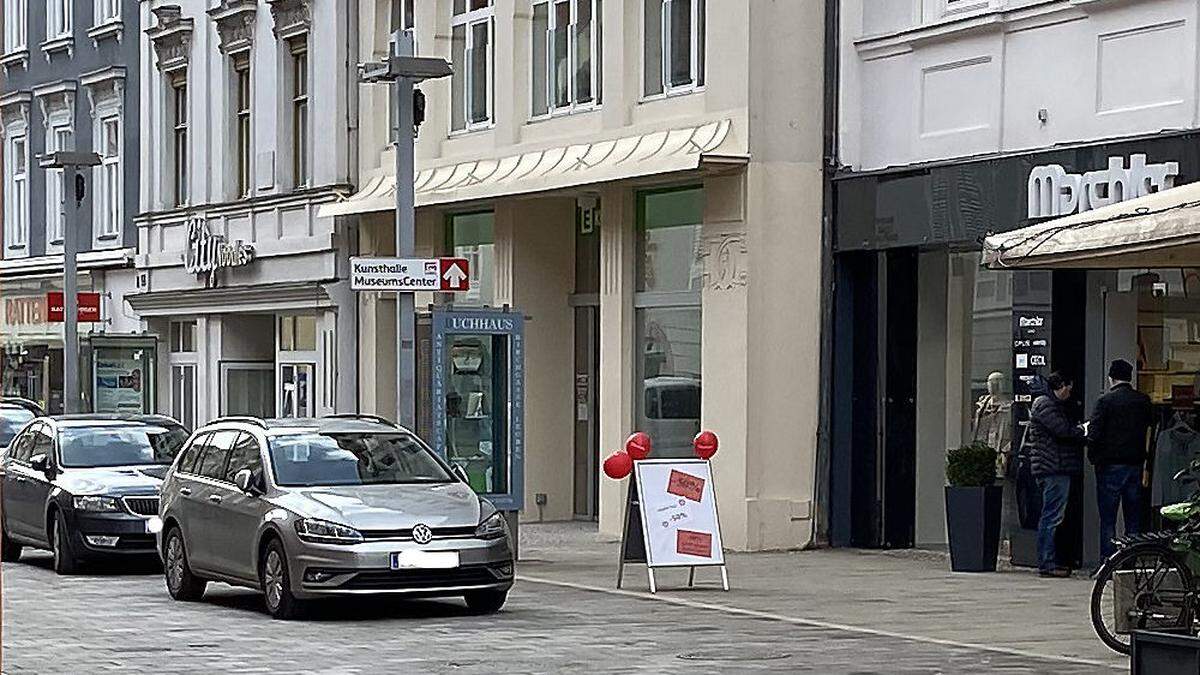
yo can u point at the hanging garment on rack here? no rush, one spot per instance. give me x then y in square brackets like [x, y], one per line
[1176, 448]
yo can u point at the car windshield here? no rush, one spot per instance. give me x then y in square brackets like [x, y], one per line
[312, 459]
[12, 420]
[85, 447]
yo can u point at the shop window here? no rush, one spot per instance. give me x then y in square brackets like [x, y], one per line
[476, 410]
[183, 394]
[472, 236]
[298, 333]
[248, 388]
[471, 40]
[1168, 334]
[566, 55]
[668, 317]
[668, 243]
[183, 336]
[673, 54]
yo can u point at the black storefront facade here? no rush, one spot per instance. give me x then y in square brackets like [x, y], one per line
[919, 328]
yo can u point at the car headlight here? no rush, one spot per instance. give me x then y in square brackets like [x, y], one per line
[98, 504]
[325, 532]
[492, 527]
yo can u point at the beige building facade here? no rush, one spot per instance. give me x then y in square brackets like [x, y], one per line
[643, 180]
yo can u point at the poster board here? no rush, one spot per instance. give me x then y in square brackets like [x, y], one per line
[671, 519]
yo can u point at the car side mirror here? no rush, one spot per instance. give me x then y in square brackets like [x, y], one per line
[40, 462]
[247, 482]
[459, 473]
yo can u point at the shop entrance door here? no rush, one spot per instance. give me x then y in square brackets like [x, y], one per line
[586, 411]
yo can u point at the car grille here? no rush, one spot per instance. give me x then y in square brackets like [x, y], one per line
[142, 506]
[406, 533]
[476, 575]
[136, 542]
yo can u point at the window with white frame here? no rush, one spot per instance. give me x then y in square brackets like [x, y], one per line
[566, 55]
[471, 37]
[673, 39]
[299, 87]
[16, 15]
[16, 191]
[108, 198]
[183, 372]
[59, 137]
[58, 19]
[179, 136]
[107, 11]
[241, 121]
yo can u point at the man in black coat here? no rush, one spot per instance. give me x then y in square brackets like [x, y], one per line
[1117, 438]
[1055, 448]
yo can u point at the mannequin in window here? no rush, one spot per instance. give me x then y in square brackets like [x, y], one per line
[993, 422]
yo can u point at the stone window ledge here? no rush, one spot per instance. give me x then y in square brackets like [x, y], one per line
[65, 43]
[109, 29]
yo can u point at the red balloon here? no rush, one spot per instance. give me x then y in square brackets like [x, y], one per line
[705, 444]
[639, 445]
[618, 465]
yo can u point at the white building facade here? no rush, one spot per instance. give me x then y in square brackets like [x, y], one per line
[643, 180]
[247, 127]
[962, 117]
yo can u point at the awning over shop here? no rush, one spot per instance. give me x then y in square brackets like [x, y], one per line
[1158, 230]
[556, 168]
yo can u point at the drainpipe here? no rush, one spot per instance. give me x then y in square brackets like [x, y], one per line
[824, 423]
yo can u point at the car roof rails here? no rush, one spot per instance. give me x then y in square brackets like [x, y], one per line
[245, 419]
[362, 416]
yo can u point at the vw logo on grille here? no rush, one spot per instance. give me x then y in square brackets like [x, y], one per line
[422, 534]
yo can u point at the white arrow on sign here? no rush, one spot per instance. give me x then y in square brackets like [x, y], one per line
[454, 275]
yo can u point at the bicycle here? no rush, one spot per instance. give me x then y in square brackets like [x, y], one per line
[1152, 581]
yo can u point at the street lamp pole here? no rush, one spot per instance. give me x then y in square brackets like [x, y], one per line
[403, 71]
[72, 195]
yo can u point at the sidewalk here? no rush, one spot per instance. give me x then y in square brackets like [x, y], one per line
[906, 594]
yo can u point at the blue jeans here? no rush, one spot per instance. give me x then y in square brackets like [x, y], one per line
[1118, 485]
[1055, 490]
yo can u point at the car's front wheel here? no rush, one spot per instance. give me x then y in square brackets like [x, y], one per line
[182, 584]
[485, 602]
[277, 583]
[10, 551]
[65, 561]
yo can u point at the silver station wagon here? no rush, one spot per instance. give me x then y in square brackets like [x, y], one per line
[343, 505]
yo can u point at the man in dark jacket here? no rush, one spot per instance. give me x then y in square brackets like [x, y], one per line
[1117, 438]
[1055, 448]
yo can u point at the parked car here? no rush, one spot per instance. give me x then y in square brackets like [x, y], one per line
[15, 413]
[310, 508]
[86, 486]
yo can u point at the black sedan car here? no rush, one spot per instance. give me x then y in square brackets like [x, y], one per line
[86, 486]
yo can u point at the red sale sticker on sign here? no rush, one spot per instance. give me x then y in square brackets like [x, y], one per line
[685, 485]
[688, 542]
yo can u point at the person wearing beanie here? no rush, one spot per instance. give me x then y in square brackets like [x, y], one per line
[1118, 435]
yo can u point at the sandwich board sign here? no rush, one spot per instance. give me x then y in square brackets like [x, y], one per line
[671, 519]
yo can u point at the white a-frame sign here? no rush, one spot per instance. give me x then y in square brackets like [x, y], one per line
[671, 519]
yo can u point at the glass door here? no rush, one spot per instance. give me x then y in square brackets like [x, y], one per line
[296, 389]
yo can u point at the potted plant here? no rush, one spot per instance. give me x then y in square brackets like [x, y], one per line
[973, 507]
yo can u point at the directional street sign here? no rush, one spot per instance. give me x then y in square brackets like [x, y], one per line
[409, 274]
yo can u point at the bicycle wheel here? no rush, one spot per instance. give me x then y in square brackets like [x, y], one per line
[1142, 587]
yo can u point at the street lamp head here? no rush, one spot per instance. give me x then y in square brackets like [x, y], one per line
[65, 158]
[415, 68]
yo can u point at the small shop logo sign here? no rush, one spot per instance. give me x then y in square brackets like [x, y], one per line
[208, 252]
[1054, 192]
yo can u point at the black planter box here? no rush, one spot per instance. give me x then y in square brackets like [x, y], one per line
[1164, 654]
[973, 525]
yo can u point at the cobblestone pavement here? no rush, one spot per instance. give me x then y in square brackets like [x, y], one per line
[116, 621]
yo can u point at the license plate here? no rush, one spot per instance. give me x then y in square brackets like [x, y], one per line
[425, 560]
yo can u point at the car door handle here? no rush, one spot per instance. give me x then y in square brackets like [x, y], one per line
[185, 491]
[216, 499]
